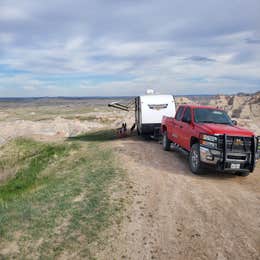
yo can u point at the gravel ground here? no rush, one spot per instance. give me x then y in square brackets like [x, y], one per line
[178, 215]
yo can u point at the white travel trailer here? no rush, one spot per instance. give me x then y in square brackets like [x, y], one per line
[149, 110]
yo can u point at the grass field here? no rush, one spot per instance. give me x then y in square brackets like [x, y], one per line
[56, 199]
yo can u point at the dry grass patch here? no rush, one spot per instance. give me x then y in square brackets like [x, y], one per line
[64, 207]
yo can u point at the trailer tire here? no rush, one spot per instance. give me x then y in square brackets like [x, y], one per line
[138, 131]
[166, 142]
[194, 159]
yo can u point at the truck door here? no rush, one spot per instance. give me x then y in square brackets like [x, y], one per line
[186, 128]
[176, 126]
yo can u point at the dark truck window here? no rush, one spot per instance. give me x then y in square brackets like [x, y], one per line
[179, 113]
[206, 115]
[187, 115]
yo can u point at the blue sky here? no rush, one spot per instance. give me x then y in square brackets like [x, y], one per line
[108, 47]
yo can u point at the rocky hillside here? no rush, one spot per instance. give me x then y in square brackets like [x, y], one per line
[243, 106]
[184, 100]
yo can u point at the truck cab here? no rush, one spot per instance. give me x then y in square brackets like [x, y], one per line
[211, 138]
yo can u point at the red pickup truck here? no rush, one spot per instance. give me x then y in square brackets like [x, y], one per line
[211, 138]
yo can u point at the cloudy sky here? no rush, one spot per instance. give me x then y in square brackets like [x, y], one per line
[109, 47]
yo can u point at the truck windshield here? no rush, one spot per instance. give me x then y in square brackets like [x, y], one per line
[214, 116]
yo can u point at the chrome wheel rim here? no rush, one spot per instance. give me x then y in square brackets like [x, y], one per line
[194, 159]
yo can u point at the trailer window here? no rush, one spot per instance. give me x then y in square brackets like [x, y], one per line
[179, 113]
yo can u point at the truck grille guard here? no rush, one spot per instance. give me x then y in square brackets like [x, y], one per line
[237, 148]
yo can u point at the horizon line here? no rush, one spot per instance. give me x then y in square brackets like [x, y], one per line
[127, 96]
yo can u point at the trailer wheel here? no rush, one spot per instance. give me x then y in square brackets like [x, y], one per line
[194, 159]
[138, 131]
[166, 142]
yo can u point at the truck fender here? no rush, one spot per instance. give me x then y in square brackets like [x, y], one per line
[193, 140]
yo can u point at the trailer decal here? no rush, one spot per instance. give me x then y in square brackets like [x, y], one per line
[157, 106]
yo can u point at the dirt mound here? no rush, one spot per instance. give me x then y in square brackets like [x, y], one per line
[183, 100]
[220, 101]
[57, 127]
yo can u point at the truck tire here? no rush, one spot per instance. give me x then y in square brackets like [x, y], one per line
[194, 159]
[166, 142]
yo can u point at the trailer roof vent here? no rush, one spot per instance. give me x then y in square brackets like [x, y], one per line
[149, 91]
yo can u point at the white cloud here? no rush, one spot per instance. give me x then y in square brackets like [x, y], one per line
[87, 85]
[128, 49]
[149, 44]
[6, 38]
[30, 87]
[8, 13]
[75, 43]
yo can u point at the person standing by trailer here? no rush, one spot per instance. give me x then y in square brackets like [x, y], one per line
[149, 110]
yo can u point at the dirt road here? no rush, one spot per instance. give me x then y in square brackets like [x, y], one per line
[178, 215]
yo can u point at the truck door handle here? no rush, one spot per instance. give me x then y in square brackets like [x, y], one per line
[181, 126]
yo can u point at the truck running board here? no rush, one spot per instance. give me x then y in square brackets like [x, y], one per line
[179, 148]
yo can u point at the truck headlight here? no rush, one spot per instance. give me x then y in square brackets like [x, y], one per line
[209, 140]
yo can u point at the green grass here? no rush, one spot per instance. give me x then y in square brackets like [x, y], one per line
[98, 136]
[26, 177]
[59, 202]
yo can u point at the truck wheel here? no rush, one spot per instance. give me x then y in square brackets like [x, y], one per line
[194, 159]
[243, 174]
[166, 142]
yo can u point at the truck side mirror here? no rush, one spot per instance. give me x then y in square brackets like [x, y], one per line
[234, 122]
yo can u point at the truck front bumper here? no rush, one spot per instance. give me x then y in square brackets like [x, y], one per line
[209, 156]
[232, 162]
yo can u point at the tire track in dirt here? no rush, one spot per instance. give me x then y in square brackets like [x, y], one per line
[178, 215]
